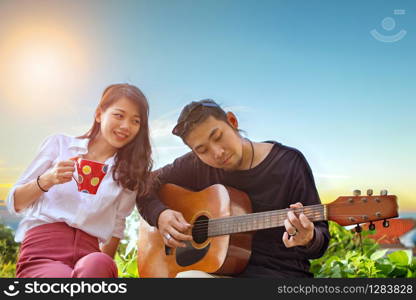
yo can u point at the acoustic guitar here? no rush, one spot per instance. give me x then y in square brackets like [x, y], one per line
[223, 224]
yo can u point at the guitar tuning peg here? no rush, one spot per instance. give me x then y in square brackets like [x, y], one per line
[386, 223]
[358, 228]
[372, 226]
[356, 192]
[369, 192]
[383, 192]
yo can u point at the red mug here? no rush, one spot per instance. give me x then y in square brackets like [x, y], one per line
[90, 174]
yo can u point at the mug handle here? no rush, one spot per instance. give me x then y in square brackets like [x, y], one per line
[75, 159]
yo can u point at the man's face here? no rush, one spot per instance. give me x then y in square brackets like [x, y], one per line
[217, 144]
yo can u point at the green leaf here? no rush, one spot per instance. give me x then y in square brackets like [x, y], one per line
[385, 268]
[336, 272]
[399, 272]
[378, 254]
[118, 259]
[132, 268]
[410, 256]
[401, 257]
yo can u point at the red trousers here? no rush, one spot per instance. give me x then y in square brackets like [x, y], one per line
[57, 250]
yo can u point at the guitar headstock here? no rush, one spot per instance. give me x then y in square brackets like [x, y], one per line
[356, 209]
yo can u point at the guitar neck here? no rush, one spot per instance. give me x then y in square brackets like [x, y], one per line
[262, 220]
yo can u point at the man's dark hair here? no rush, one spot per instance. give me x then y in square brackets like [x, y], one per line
[195, 113]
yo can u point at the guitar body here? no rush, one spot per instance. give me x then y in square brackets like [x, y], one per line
[224, 255]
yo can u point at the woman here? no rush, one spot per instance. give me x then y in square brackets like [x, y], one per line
[62, 228]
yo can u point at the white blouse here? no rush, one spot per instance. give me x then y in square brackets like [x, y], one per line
[102, 215]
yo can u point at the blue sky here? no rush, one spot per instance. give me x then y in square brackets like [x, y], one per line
[305, 73]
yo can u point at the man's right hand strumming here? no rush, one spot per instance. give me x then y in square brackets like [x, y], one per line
[174, 228]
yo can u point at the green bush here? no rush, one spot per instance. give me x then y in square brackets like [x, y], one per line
[126, 260]
[8, 252]
[346, 257]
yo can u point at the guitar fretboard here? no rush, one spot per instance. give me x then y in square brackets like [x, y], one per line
[262, 220]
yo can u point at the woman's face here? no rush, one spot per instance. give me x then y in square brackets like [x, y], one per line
[119, 123]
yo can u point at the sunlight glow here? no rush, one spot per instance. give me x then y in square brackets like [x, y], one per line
[38, 65]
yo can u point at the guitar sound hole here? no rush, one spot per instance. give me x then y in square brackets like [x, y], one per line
[200, 229]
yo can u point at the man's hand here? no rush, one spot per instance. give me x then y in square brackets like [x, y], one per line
[299, 231]
[173, 228]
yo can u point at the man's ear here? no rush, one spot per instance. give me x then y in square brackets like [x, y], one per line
[232, 120]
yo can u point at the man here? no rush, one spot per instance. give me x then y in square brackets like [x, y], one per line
[273, 175]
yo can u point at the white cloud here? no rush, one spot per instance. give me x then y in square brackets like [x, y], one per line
[163, 125]
[161, 128]
[166, 146]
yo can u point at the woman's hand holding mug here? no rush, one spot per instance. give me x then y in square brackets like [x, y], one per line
[60, 173]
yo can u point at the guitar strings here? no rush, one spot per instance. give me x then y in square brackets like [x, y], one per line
[238, 220]
[265, 214]
[201, 226]
[267, 219]
[216, 230]
[305, 209]
[312, 211]
[202, 229]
